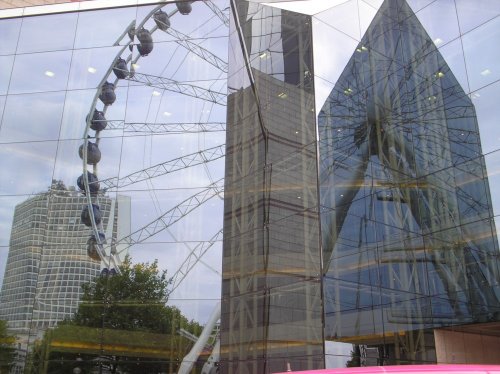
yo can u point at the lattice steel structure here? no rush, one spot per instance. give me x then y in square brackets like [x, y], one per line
[408, 238]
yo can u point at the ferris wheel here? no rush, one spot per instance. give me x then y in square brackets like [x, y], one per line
[189, 69]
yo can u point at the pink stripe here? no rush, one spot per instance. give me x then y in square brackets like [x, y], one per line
[414, 369]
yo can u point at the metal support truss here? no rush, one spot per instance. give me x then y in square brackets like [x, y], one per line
[218, 12]
[182, 88]
[173, 215]
[166, 128]
[184, 41]
[167, 167]
[192, 259]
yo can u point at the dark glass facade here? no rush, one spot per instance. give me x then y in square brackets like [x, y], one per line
[409, 240]
[271, 288]
[409, 250]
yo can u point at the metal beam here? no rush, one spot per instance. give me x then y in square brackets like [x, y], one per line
[166, 128]
[172, 216]
[179, 87]
[186, 42]
[218, 12]
[166, 167]
[192, 259]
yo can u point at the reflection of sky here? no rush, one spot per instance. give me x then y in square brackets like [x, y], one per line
[64, 82]
[337, 354]
[26, 168]
[9, 29]
[21, 125]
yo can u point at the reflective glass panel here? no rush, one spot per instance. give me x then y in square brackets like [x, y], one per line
[32, 117]
[479, 55]
[34, 165]
[6, 63]
[154, 119]
[102, 28]
[47, 33]
[9, 29]
[40, 72]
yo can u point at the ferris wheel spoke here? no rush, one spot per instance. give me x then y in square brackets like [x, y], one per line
[179, 87]
[192, 259]
[187, 42]
[176, 164]
[166, 128]
[172, 216]
[218, 12]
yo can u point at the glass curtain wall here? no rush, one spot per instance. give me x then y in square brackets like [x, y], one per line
[271, 314]
[407, 146]
[408, 220]
[407, 121]
[130, 287]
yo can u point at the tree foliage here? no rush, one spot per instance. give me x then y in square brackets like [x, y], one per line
[132, 300]
[132, 303]
[7, 348]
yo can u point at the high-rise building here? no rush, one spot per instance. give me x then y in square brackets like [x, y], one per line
[409, 261]
[48, 260]
[409, 243]
[271, 283]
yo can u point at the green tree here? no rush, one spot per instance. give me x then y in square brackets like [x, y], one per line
[114, 310]
[7, 348]
[132, 300]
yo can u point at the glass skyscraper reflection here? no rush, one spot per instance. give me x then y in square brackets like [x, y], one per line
[409, 240]
[271, 288]
[347, 148]
[48, 260]
[407, 222]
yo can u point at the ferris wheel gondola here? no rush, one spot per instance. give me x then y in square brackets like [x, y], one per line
[124, 68]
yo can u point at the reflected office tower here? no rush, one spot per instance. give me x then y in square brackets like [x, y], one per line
[271, 309]
[48, 262]
[408, 236]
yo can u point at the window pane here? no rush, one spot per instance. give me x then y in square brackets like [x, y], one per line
[47, 33]
[6, 64]
[9, 29]
[480, 54]
[103, 28]
[40, 72]
[32, 117]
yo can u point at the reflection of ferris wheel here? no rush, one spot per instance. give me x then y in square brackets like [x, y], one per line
[398, 141]
[136, 42]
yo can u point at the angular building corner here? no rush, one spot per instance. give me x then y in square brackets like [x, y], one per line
[408, 255]
[271, 292]
[408, 240]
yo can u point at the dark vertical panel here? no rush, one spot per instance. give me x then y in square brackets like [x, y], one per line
[271, 310]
